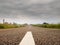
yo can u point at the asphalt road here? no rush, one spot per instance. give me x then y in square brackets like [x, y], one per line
[42, 36]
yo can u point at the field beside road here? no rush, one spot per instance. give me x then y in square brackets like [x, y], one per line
[42, 36]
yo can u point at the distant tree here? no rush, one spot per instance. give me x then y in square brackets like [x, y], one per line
[14, 23]
[25, 24]
[5, 22]
[10, 23]
[45, 23]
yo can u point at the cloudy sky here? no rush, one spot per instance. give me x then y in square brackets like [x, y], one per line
[30, 11]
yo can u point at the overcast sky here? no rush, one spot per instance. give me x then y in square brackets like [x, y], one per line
[30, 11]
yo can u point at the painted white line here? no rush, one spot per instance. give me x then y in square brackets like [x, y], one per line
[28, 39]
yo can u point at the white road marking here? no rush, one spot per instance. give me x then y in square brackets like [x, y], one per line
[28, 39]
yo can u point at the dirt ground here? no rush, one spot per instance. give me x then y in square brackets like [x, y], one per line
[42, 36]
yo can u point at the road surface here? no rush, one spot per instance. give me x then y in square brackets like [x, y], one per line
[42, 36]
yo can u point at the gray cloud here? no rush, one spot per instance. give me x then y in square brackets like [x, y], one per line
[32, 10]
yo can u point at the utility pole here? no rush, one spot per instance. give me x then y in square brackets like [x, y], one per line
[3, 21]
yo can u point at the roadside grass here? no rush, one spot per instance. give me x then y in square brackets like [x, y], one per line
[6, 26]
[48, 25]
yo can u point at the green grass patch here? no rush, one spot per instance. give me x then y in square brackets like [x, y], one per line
[5, 26]
[48, 25]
